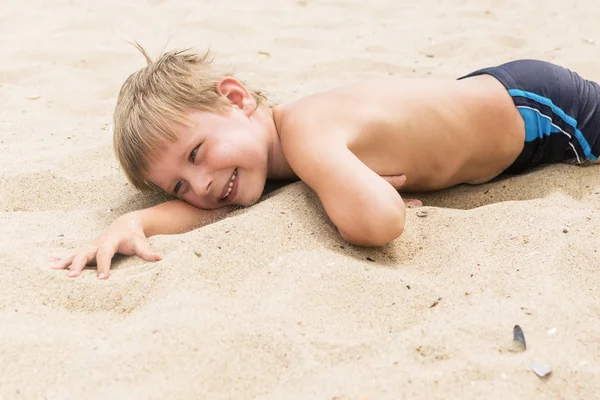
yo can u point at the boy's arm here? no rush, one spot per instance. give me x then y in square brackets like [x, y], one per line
[175, 216]
[366, 209]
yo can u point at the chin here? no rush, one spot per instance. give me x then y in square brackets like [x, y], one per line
[250, 201]
[254, 197]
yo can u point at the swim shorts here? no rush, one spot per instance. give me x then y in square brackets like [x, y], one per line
[561, 111]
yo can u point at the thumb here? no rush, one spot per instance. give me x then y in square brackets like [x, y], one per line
[142, 248]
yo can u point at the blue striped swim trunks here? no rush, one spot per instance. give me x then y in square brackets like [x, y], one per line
[561, 111]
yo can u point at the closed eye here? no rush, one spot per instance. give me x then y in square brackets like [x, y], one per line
[193, 153]
[177, 187]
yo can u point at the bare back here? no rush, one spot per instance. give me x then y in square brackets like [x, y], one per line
[438, 133]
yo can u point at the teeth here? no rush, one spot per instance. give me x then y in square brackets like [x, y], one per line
[230, 184]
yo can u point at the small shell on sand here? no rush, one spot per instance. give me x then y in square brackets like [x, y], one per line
[541, 370]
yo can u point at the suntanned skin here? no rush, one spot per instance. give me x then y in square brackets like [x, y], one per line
[348, 144]
[436, 133]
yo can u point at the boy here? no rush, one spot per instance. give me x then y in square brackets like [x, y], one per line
[208, 139]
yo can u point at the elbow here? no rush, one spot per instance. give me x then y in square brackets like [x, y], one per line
[375, 232]
[393, 233]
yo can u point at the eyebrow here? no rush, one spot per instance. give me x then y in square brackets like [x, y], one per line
[184, 154]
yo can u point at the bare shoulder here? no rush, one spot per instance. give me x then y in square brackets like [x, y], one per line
[310, 131]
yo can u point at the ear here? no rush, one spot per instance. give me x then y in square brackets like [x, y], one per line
[237, 94]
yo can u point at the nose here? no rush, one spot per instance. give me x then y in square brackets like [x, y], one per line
[201, 184]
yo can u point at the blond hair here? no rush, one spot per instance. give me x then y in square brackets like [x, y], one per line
[155, 97]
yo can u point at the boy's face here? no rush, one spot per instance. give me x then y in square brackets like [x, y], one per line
[218, 160]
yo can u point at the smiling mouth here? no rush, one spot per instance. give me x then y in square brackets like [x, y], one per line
[229, 188]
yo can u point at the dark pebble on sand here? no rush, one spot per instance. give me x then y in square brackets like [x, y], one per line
[519, 343]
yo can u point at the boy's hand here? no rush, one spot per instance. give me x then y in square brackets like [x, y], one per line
[125, 236]
[128, 235]
[397, 181]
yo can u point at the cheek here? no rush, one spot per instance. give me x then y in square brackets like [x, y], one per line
[242, 151]
[222, 155]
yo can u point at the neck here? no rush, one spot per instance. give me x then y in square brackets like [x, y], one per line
[277, 165]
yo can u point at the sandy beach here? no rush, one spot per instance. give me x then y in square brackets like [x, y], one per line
[270, 303]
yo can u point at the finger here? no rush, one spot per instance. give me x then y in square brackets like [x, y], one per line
[79, 262]
[64, 262]
[412, 203]
[143, 249]
[104, 259]
[397, 181]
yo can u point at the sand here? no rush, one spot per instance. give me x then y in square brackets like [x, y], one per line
[271, 303]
